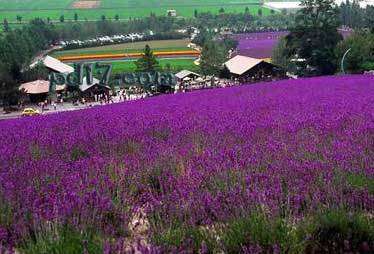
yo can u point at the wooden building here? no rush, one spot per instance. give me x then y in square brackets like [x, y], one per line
[247, 69]
[94, 91]
[38, 90]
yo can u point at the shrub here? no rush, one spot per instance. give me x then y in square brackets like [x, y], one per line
[338, 231]
[63, 240]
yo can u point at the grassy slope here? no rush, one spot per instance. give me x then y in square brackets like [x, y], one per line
[163, 45]
[109, 8]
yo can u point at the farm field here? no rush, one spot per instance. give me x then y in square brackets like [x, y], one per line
[175, 64]
[131, 47]
[277, 167]
[30, 9]
[261, 44]
[34, 4]
[258, 45]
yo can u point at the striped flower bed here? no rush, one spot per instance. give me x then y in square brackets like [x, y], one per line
[129, 55]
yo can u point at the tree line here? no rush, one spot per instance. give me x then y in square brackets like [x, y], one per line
[17, 49]
[314, 46]
[353, 16]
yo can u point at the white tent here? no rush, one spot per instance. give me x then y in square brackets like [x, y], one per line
[186, 73]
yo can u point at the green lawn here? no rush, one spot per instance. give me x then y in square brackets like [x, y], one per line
[176, 65]
[53, 9]
[131, 47]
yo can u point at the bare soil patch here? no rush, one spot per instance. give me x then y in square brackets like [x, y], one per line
[85, 4]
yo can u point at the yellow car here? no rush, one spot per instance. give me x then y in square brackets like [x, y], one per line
[30, 112]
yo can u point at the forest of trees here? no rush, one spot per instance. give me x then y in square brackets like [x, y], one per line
[17, 49]
[351, 15]
[314, 46]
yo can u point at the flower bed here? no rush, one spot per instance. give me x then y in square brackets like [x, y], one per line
[130, 55]
[236, 169]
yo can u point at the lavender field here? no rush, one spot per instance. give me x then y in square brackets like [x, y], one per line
[258, 45]
[264, 168]
[261, 44]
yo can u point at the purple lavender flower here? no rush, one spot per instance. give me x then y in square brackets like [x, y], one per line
[199, 159]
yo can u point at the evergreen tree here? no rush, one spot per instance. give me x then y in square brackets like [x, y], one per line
[37, 72]
[6, 25]
[314, 37]
[62, 18]
[361, 56]
[212, 58]
[8, 88]
[279, 56]
[75, 17]
[351, 14]
[369, 18]
[168, 67]
[202, 38]
[116, 17]
[19, 18]
[147, 62]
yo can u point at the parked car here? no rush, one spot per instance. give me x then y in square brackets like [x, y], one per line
[30, 112]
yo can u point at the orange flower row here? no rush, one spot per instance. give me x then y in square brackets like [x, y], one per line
[129, 55]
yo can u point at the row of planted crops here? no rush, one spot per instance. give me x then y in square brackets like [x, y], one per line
[284, 167]
[165, 54]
